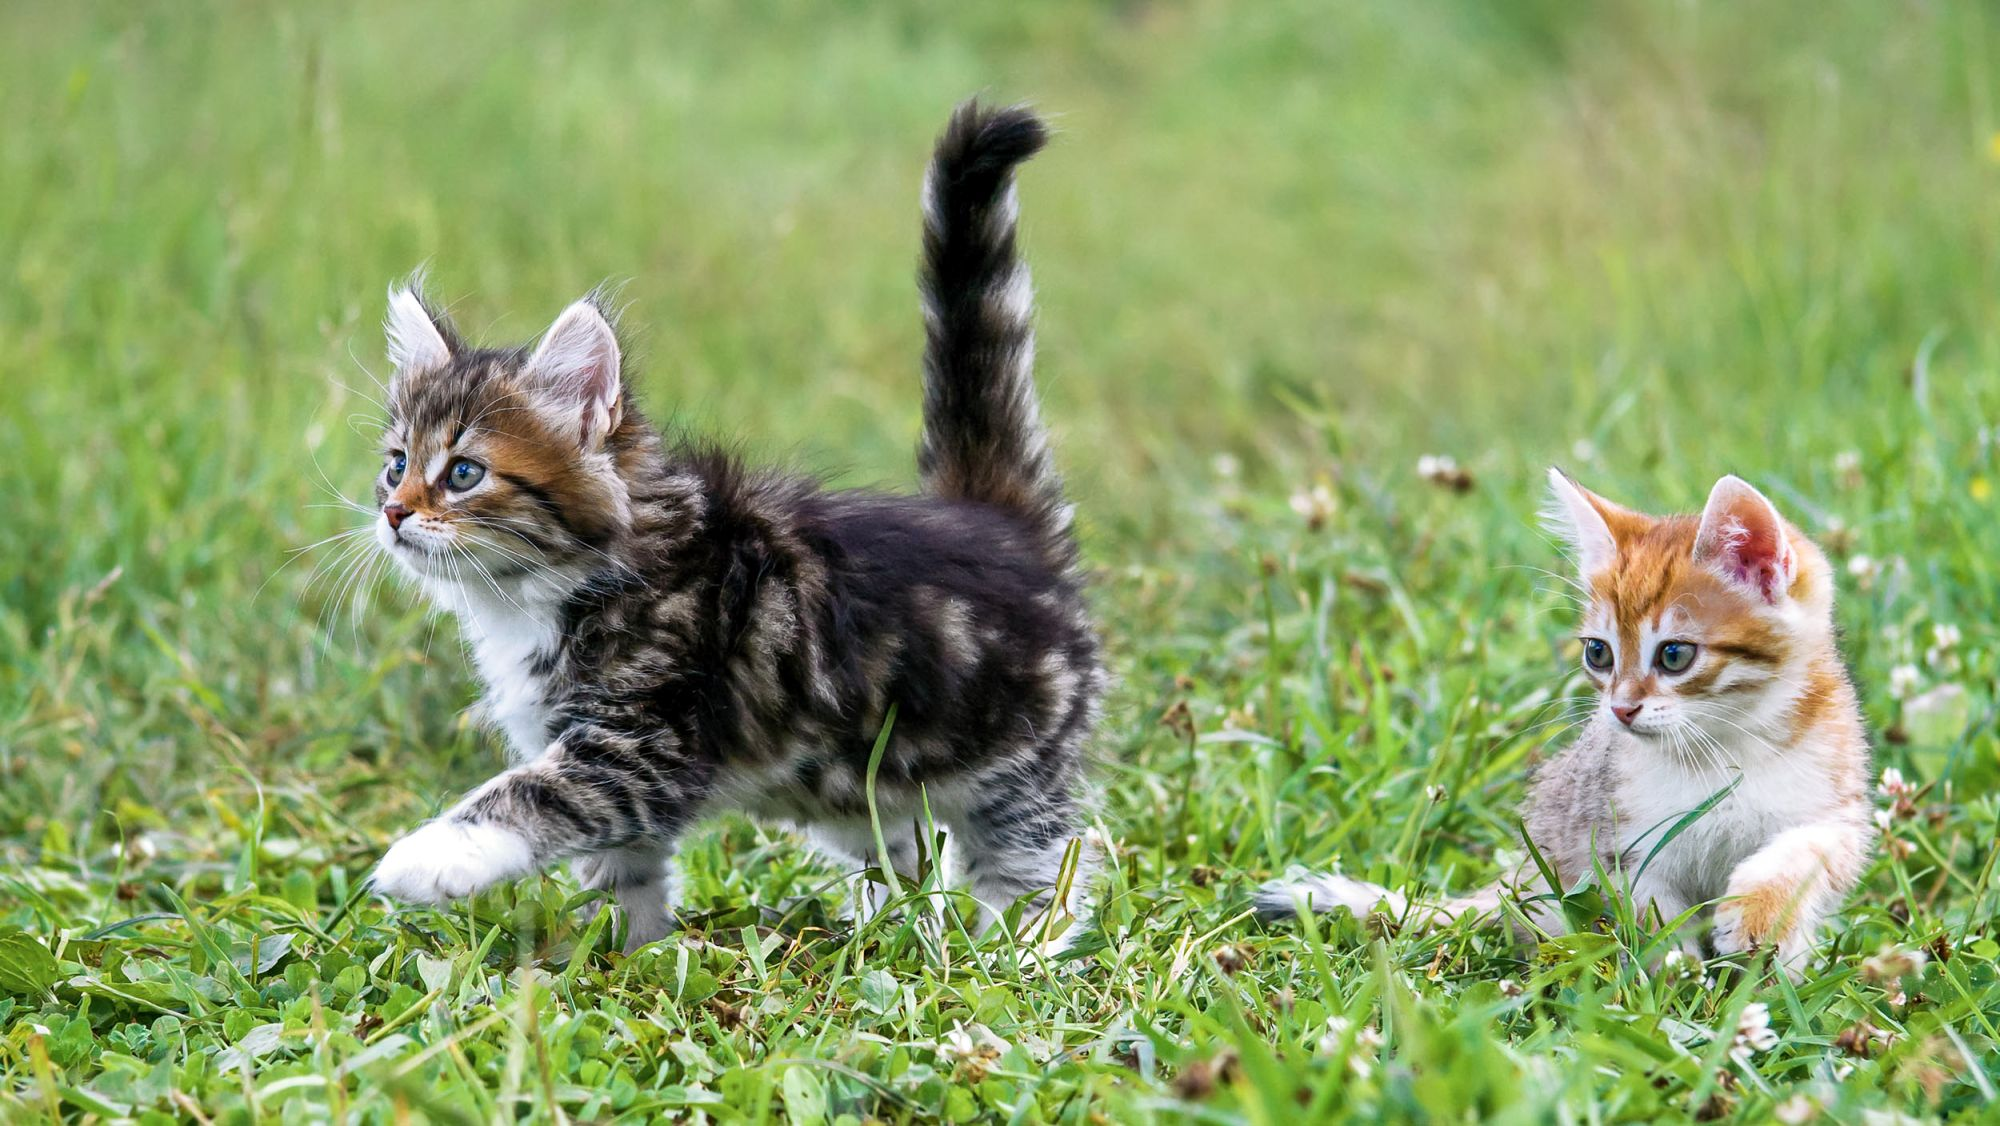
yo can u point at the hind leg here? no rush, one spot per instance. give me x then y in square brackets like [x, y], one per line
[1024, 844]
[852, 845]
[641, 878]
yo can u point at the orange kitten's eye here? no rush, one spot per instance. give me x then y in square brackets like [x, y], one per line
[1596, 654]
[1675, 656]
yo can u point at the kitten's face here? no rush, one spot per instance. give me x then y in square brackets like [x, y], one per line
[493, 465]
[1694, 628]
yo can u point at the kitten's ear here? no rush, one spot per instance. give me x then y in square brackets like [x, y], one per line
[578, 360]
[418, 338]
[1590, 523]
[1743, 537]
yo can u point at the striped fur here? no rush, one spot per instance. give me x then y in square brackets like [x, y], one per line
[666, 633]
[1764, 705]
[983, 439]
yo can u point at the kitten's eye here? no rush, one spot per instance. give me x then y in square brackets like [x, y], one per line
[1675, 656]
[463, 475]
[398, 465]
[1596, 654]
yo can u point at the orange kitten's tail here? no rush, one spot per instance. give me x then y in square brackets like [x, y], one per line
[1325, 892]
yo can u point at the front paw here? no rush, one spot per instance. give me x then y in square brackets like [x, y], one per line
[1750, 922]
[446, 860]
[1732, 930]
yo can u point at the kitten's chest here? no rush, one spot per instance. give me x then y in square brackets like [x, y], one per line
[1699, 858]
[517, 655]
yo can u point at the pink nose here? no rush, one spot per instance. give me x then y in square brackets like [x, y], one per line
[395, 514]
[1626, 713]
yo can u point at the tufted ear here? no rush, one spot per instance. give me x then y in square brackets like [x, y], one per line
[578, 362]
[418, 338]
[1590, 524]
[1743, 537]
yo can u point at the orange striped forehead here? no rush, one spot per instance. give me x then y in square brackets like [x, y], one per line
[1654, 565]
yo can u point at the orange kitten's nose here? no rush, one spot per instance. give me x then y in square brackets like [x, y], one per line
[396, 513]
[1626, 713]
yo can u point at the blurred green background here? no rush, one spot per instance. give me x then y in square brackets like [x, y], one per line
[1278, 246]
[1682, 239]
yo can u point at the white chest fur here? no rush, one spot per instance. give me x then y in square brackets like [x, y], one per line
[514, 635]
[1775, 792]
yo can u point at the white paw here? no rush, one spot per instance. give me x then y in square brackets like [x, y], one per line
[447, 860]
[1326, 892]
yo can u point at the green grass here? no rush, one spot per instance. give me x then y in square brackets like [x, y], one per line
[1652, 242]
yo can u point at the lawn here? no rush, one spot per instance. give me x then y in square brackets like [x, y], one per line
[1283, 251]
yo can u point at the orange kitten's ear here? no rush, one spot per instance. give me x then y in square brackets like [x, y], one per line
[578, 360]
[1590, 523]
[1743, 537]
[418, 338]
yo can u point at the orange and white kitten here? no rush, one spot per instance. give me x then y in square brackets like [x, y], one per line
[1710, 641]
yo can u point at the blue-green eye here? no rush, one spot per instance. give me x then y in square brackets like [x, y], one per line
[398, 464]
[1675, 656]
[463, 475]
[1596, 654]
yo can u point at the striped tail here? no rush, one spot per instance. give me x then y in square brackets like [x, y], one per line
[983, 438]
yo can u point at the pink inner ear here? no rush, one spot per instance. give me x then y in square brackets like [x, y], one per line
[1757, 557]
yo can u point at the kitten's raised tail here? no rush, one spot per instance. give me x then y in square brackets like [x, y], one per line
[1326, 892]
[983, 438]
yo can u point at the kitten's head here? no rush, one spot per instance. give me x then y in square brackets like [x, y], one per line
[499, 464]
[1695, 628]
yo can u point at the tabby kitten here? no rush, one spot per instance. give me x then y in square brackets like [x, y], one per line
[1710, 641]
[664, 633]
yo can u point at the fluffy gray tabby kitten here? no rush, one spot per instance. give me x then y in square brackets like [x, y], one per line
[665, 633]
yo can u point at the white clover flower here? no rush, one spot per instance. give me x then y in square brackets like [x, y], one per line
[1316, 505]
[1847, 467]
[1584, 449]
[1679, 965]
[1436, 793]
[1893, 785]
[1902, 680]
[1443, 471]
[140, 849]
[1795, 1110]
[1226, 465]
[958, 1043]
[1864, 570]
[1753, 1032]
[1945, 636]
[1884, 820]
[971, 1044]
[1367, 1044]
